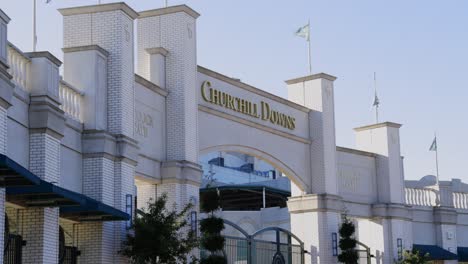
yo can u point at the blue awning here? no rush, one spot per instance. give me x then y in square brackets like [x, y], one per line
[92, 210]
[45, 194]
[463, 254]
[25, 189]
[73, 206]
[435, 252]
[13, 174]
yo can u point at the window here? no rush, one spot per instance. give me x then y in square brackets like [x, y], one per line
[400, 248]
[129, 209]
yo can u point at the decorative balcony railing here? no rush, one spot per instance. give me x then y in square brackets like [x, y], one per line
[71, 99]
[460, 200]
[421, 197]
[19, 67]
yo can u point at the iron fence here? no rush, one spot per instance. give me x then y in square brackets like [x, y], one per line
[13, 250]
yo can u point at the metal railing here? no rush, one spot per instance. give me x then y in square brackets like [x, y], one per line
[13, 250]
[71, 99]
[19, 67]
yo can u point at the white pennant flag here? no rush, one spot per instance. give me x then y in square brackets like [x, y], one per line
[304, 32]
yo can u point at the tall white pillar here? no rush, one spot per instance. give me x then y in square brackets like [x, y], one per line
[384, 140]
[46, 125]
[167, 45]
[6, 89]
[317, 215]
[103, 35]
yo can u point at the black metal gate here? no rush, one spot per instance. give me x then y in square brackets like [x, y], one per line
[269, 245]
[13, 249]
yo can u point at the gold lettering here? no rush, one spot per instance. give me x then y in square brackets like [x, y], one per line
[205, 84]
[265, 111]
[230, 102]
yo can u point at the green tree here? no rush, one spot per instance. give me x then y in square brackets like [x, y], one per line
[347, 244]
[413, 257]
[160, 236]
[210, 228]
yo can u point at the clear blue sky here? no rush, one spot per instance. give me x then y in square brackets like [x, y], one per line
[418, 48]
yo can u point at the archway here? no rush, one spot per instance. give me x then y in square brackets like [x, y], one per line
[298, 186]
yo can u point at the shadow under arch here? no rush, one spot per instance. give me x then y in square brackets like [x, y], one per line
[278, 164]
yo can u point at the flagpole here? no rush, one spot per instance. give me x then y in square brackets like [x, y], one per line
[309, 51]
[34, 26]
[437, 159]
[377, 105]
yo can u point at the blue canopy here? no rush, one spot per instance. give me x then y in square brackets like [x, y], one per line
[28, 190]
[463, 254]
[435, 252]
[92, 210]
[13, 174]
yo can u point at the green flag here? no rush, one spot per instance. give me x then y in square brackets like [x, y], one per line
[433, 145]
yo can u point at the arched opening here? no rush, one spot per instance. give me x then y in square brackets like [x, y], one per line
[253, 186]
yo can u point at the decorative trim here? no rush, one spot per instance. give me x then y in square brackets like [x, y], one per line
[4, 16]
[379, 125]
[311, 77]
[150, 85]
[252, 89]
[315, 203]
[158, 50]
[44, 54]
[253, 124]
[356, 152]
[46, 131]
[169, 10]
[99, 8]
[86, 48]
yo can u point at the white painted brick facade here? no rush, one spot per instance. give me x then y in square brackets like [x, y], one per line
[145, 193]
[98, 179]
[3, 150]
[178, 195]
[44, 156]
[113, 31]
[176, 32]
[40, 230]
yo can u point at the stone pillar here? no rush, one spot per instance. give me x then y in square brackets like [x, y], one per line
[6, 90]
[104, 33]
[320, 212]
[171, 32]
[384, 140]
[314, 218]
[46, 125]
[445, 220]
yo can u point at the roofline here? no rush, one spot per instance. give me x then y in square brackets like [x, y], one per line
[379, 125]
[99, 8]
[169, 10]
[312, 77]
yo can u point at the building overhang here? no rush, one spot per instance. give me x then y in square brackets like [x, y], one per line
[12, 174]
[435, 252]
[25, 189]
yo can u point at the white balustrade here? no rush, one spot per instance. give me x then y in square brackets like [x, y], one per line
[71, 99]
[19, 66]
[420, 197]
[460, 200]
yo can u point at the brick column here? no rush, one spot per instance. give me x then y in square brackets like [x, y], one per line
[104, 33]
[315, 216]
[46, 123]
[167, 38]
[6, 89]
